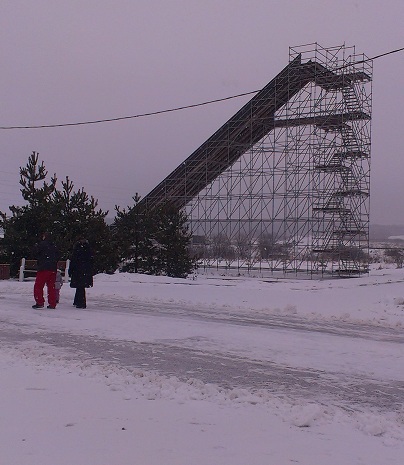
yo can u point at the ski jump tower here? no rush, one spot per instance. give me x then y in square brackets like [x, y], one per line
[284, 184]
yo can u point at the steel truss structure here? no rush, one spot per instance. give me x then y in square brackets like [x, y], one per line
[284, 185]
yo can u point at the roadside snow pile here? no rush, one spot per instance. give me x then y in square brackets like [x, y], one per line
[372, 301]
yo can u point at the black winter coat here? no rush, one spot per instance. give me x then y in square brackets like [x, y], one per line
[47, 256]
[81, 265]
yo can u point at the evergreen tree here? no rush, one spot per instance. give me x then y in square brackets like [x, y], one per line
[153, 242]
[67, 214]
[23, 229]
[173, 238]
[132, 229]
[30, 175]
[75, 214]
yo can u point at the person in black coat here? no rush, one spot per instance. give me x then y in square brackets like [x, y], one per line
[81, 271]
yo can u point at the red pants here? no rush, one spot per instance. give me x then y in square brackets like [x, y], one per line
[42, 278]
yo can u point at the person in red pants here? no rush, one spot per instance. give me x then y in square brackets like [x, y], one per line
[47, 256]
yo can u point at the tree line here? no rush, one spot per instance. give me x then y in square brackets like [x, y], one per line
[138, 240]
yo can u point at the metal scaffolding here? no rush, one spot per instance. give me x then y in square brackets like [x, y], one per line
[284, 184]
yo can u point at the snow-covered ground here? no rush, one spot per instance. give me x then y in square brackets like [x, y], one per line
[205, 371]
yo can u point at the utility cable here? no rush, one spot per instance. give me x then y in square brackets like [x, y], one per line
[170, 110]
[140, 115]
[371, 59]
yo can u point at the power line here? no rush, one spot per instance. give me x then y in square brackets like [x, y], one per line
[140, 115]
[372, 59]
[383, 54]
[170, 110]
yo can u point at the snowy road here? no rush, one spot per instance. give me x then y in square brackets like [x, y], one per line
[250, 350]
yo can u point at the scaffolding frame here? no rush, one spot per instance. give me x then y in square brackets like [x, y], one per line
[284, 185]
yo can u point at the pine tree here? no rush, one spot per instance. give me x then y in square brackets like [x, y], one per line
[67, 214]
[153, 242]
[75, 215]
[30, 175]
[23, 229]
[174, 238]
[132, 229]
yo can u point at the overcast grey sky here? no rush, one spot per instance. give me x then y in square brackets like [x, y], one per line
[77, 60]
